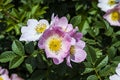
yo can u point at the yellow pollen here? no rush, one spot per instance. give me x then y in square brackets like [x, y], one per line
[1, 78]
[72, 50]
[55, 44]
[40, 28]
[111, 2]
[115, 16]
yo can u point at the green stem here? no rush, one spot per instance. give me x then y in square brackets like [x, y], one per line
[9, 15]
[97, 74]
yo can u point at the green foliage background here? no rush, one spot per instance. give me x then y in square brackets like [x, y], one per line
[25, 59]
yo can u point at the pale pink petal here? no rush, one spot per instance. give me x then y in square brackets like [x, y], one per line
[69, 28]
[68, 61]
[78, 56]
[63, 22]
[80, 44]
[15, 77]
[58, 60]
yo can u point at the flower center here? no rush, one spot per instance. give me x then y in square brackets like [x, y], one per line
[72, 50]
[115, 16]
[55, 44]
[1, 78]
[111, 2]
[40, 28]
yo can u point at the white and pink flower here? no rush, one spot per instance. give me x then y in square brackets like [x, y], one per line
[33, 30]
[113, 16]
[61, 41]
[56, 44]
[106, 5]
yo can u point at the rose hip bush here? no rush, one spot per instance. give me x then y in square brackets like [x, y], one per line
[59, 39]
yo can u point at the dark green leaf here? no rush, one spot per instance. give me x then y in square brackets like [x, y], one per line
[31, 64]
[29, 47]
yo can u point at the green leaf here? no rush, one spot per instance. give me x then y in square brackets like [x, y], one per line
[34, 9]
[29, 47]
[7, 2]
[92, 77]
[16, 62]
[116, 60]
[116, 44]
[18, 48]
[31, 64]
[75, 21]
[109, 31]
[29, 67]
[84, 27]
[91, 54]
[111, 52]
[117, 33]
[88, 70]
[7, 56]
[106, 71]
[78, 6]
[101, 62]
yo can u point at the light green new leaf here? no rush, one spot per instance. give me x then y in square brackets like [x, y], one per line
[7, 56]
[16, 62]
[18, 48]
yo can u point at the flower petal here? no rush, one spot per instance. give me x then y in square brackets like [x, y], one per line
[78, 56]
[32, 22]
[114, 77]
[118, 69]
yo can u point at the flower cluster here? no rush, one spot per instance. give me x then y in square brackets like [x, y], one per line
[116, 76]
[112, 9]
[59, 39]
[4, 75]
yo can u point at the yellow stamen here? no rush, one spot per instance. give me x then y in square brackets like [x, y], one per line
[40, 28]
[115, 16]
[55, 44]
[111, 2]
[1, 78]
[72, 50]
